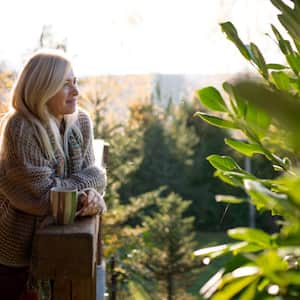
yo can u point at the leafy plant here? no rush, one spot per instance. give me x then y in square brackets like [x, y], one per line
[266, 112]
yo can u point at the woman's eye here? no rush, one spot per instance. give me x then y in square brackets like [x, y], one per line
[71, 83]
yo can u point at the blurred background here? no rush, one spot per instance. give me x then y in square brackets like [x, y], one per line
[139, 63]
[177, 44]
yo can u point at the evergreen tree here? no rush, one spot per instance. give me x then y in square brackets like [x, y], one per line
[168, 241]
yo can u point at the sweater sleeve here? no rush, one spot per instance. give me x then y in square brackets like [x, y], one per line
[90, 176]
[25, 174]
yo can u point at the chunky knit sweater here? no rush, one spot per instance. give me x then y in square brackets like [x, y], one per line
[26, 176]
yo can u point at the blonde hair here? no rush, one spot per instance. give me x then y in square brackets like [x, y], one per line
[40, 79]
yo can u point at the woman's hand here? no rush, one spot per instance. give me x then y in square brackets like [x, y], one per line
[91, 203]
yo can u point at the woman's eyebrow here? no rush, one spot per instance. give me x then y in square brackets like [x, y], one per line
[71, 79]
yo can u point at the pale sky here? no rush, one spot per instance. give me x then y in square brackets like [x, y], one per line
[138, 36]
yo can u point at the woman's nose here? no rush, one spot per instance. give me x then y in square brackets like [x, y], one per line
[75, 90]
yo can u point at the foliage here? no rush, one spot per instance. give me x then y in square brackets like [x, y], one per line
[167, 159]
[6, 82]
[163, 259]
[263, 266]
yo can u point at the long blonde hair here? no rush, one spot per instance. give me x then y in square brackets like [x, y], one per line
[40, 79]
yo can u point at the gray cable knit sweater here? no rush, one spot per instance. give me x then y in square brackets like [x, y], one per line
[26, 176]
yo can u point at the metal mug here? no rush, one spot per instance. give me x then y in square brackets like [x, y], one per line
[63, 204]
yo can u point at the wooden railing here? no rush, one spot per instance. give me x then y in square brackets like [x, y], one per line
[69, 255]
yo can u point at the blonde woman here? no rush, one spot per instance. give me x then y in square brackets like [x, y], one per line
[45, 142]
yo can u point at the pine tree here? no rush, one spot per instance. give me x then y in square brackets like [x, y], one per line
[168, 242]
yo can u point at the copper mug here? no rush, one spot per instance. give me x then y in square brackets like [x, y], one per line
[64, 205]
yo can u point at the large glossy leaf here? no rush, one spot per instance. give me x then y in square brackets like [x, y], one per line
[243, 147]
[251, 235]
[216, 121]
[224, 163]
[212, 99]
[232, 35]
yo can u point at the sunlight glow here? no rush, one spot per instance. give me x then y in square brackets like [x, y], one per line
[138, 36]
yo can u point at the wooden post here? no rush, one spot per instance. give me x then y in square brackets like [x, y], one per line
[67, 255]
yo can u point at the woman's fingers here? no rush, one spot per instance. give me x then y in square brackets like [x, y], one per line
[82, 200]
[95, 204]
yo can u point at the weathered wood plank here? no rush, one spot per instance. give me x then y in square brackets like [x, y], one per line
[62, 289]
[83, 289]
[66, 251]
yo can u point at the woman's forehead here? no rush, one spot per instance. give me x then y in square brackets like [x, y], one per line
[70, 75]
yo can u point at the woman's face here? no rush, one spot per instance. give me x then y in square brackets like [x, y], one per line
[65, 100]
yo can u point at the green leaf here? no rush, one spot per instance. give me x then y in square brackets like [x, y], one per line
[290, 21]
[231, 289]
[270, 262]
[257, 119]
[229, 199]
[224, 163]
[251, 235]
[276, 67]
[262, 197]
[276, 33]
[280, 105]
[245, 247]
[290, 185]
[229, 179]
[281, 80]
[294, 62]
[232, 35]
[212, 99]
[238, 106]
[210, 287]
[291, 277]
[259, 60]
[219, 250]
[215, 121]
[249, 292]
[243, 147]
[284, 45]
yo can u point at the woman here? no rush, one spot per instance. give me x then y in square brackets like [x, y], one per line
[45, 142]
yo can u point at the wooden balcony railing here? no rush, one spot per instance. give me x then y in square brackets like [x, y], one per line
[69, 255]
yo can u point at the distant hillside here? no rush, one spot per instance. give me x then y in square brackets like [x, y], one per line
[121, 90]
